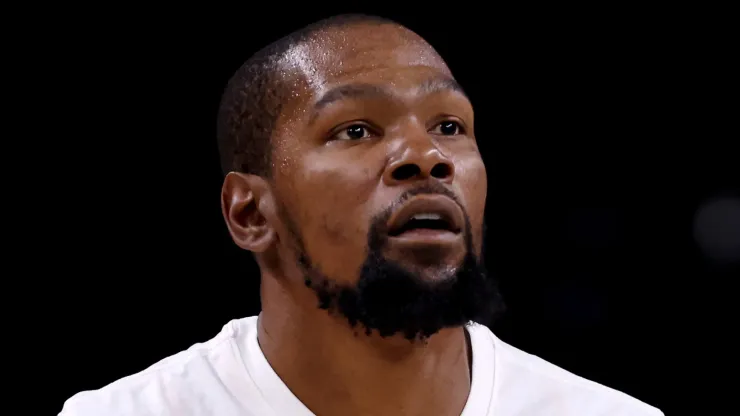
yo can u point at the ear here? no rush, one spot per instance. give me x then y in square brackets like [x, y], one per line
[248, 206]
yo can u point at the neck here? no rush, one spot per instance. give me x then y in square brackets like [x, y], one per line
[335, 370]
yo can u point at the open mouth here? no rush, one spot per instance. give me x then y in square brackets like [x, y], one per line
[424, 221]
[428, 215]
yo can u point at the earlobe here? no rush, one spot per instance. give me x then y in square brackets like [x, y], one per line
[242, 203]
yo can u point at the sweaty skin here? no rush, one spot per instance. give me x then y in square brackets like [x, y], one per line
[331, 184]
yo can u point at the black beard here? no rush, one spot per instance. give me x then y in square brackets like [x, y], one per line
[391, 299]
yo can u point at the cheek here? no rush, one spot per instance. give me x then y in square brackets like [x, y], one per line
[332, 214]
[472, 181]
[337, 207]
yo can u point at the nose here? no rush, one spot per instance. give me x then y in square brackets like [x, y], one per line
[420, 160]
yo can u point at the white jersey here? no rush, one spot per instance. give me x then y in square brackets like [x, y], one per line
[230, 376]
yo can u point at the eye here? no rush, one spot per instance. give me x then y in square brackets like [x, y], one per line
[353, 132]
[448, 128]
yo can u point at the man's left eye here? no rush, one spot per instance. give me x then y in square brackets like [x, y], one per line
[448, 128]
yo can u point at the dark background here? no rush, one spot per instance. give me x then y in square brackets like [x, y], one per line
[604, 133]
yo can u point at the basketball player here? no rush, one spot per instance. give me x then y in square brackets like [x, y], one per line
[354, 178]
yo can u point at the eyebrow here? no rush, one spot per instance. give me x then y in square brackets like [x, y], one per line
[354, 91]
[441, 84]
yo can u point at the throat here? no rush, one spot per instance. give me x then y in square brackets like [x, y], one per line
[340, 373]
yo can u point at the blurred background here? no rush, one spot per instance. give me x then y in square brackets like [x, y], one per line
[613, 206]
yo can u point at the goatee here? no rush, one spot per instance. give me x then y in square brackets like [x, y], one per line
[392, 299]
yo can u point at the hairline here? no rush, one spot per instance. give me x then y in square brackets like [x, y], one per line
[246, 145]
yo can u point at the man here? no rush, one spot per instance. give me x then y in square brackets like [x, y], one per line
[355, 179]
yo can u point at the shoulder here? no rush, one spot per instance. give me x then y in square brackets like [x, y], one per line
[175, 385]
[528, 384]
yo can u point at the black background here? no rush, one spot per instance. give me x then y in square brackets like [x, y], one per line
[603, 132]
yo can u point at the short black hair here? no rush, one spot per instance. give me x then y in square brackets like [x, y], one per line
[252, 101]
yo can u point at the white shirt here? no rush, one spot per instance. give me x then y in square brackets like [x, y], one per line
[229, 376]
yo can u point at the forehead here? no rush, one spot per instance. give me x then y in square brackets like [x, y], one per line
[382, 54]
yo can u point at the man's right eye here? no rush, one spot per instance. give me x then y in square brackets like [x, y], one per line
[353, 132]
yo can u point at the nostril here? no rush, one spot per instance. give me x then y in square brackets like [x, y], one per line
[405, 172]
[441, 171]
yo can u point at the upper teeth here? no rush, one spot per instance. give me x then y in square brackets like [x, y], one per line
[426, 216]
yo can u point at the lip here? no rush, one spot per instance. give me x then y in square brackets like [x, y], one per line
[434, 204]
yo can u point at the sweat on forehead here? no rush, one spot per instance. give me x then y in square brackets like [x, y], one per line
[271, 79]
[340, 50]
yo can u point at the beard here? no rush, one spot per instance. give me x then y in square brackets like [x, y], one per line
[393, 299]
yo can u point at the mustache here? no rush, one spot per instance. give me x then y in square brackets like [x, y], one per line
[428, 188]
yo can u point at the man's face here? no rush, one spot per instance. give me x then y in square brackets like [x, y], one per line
[379, 179]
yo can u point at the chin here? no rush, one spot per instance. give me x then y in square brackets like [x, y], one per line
[432, 264]
[412, 284]
[432, 272]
